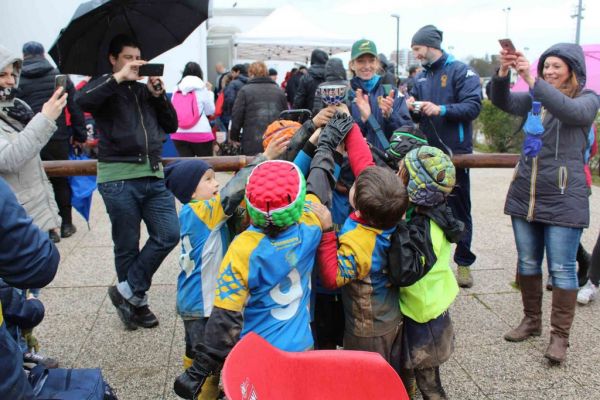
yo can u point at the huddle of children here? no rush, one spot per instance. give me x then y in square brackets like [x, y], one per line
[394, 273]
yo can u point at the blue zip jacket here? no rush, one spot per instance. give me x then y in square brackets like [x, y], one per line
[455, 87]
[399, 117]
[28, 259]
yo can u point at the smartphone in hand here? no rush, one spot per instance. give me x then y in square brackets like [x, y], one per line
[507, 45]
[151, 69]
[60, 81]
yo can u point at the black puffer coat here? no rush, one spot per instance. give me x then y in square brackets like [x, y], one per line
[257, 104]
[551, 187]
[37, 86]
[305, 95]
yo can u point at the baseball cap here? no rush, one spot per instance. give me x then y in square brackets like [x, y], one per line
[363, 46]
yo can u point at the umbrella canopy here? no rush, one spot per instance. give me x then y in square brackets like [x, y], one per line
[158, 25]
[592, 66]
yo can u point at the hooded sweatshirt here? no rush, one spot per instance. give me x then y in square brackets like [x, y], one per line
[201, 132]
[551, 187]
[305, 95]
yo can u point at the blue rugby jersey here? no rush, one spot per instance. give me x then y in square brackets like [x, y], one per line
[269, 281]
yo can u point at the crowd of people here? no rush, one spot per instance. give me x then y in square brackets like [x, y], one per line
[338, 234]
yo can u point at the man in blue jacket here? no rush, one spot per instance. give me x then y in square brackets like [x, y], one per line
[448, 95]
[28, 259]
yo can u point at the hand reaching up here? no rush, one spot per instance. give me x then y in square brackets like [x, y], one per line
[276, 147]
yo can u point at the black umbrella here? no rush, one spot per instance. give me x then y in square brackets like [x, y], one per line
[158, 25]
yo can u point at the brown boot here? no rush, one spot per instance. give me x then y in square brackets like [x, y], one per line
[563, 312]
[531, 325]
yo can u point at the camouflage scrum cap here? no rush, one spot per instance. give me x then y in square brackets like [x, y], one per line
[431, 176]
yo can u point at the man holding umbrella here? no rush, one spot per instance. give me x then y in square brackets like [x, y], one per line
[133, 118]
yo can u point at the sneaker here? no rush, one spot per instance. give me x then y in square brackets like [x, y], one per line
[67, 230]
[55, 237]
[463, 277]
[143, 317]
[38, 359]
[549, 284]
[125, 309]
[587, 293]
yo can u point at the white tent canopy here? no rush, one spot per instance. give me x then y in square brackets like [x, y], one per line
[286, 34]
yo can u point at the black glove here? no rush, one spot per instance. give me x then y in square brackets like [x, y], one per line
[336, 130]
[189, 384]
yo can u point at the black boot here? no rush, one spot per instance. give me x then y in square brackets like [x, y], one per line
[583, 261]
[189, 384]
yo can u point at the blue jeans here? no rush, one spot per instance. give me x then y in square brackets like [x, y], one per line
[128, 203]
[561, 245]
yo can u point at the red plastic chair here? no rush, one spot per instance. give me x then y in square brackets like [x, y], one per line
[255, 370]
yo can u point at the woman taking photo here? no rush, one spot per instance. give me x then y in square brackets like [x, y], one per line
[548, 197]
[194, 138]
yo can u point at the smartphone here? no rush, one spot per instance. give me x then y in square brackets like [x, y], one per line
[507, 45]
[151, 70]
[299, 115]
[60, 81]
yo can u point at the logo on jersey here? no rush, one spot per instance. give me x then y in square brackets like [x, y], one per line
[470, 73]
[444, 80]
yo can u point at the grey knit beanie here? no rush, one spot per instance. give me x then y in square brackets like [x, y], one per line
[429, 36]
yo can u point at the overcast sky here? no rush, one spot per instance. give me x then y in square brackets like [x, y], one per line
[471, 27]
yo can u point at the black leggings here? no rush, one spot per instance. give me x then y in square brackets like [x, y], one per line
[594, 272]
[59, 150]
[190, 149]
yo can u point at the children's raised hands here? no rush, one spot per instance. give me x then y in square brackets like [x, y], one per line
[323, 214]
[276, 147]
[323, 116]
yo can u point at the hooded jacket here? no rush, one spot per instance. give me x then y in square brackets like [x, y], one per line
[307, 87]
[28, 259]
[551, 187]
[206, 106]
[257, 104]
[20, 163]
[37, 86]
[132, 122]
[454, 86]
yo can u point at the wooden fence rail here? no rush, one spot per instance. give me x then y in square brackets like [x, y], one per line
[234, 163]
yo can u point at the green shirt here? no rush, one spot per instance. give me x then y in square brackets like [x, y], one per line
[120, 171]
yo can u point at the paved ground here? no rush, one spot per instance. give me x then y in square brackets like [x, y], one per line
[82, 329]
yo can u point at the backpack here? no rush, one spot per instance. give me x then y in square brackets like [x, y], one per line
[186, 106]
[69, 384]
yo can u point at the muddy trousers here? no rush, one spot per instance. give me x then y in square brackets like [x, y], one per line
[427, 380]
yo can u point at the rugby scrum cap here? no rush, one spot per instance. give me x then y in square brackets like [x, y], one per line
[403, 140]
[431, 176]
[275, 194]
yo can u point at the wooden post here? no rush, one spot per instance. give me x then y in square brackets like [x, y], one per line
[234, 163]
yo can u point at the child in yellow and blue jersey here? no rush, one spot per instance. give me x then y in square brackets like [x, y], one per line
[264, 283]
[358, 264]
[204, 235]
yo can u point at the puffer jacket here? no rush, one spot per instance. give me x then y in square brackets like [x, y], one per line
[132, 122]
[257, 104]
[37, 86]
[20, 163]
[551, 187]
[307, 87]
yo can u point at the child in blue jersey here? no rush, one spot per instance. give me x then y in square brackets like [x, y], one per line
[358, 265]
[204, 235]
[264, 280]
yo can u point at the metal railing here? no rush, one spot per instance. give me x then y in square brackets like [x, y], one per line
[234, 163]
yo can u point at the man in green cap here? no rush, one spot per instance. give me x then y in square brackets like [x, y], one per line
[376, 107]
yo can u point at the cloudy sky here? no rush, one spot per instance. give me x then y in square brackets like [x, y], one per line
[471, 27]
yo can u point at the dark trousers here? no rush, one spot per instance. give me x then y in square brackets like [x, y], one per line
[59, 150]
[189, 149]
[128, 203]
[460, 202]
[594, 272]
